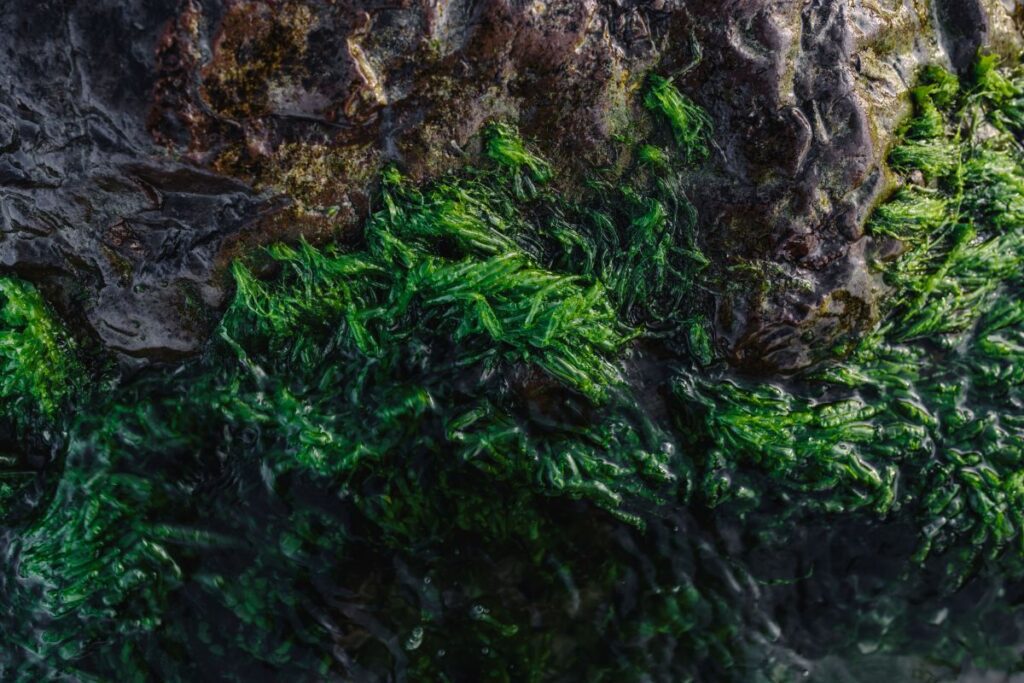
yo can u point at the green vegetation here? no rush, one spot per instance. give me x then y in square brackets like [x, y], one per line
[505, 147]
[39, 374]
[431, 389]
[922, 419]
[691, 125]
[493, 441]
[39, 368]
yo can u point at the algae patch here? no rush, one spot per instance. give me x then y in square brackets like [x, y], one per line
[493, 441]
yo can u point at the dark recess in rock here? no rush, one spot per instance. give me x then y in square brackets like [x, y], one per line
[963, 26]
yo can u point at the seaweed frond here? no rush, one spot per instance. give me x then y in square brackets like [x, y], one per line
[690, 124]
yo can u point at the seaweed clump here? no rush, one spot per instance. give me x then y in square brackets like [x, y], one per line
[40, 374]
[39, 366]
[691, 125]
[449, 400]
[922, 417]
[494, 441]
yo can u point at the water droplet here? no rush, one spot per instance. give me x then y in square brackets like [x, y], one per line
[868, 647]
[415, 639]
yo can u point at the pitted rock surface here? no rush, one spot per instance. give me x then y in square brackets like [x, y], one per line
[140, 141]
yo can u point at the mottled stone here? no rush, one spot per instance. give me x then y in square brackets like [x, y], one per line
[140, 140]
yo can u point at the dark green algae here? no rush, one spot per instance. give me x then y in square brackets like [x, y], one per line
[493, 442]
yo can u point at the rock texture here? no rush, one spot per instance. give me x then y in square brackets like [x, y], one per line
[140, 140]
[806, 97]
[123, 235]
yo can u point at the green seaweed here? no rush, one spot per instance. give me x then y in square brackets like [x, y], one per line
[440, 382]
[40, 370]
[921, 419]
[935, 159]
[691, 125]
[1002, 93]
[937, 89]
[506, 147]
[493, 440]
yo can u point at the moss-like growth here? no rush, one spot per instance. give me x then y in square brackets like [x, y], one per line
[1002, 92]
[690, 124]
[915, 422]
[39, 367]
[506, 147]
[40, 372]
[446, 383]
[492, 442]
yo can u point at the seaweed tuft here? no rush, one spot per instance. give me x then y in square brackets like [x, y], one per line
[691, 125]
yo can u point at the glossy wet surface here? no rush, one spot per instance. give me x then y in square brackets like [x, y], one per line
[495, 434]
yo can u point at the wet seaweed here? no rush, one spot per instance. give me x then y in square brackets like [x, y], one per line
[41, 373]
[494, 441]
[441, 381]
[690, 124]
[912, 423]
[40, 369]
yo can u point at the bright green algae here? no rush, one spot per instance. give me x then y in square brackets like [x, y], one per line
[492, 442]
[363, 408]
[924, 416]
[39, 373]
[39, 366]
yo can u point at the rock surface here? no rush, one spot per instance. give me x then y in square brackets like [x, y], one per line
[806, 97]
[139, 141]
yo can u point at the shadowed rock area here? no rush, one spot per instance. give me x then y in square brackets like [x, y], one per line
[140, 141]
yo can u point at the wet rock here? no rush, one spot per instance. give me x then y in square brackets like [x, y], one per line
[806, 97]
[90, 207]
[139, 140]
[313, 98]
[963, 28]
